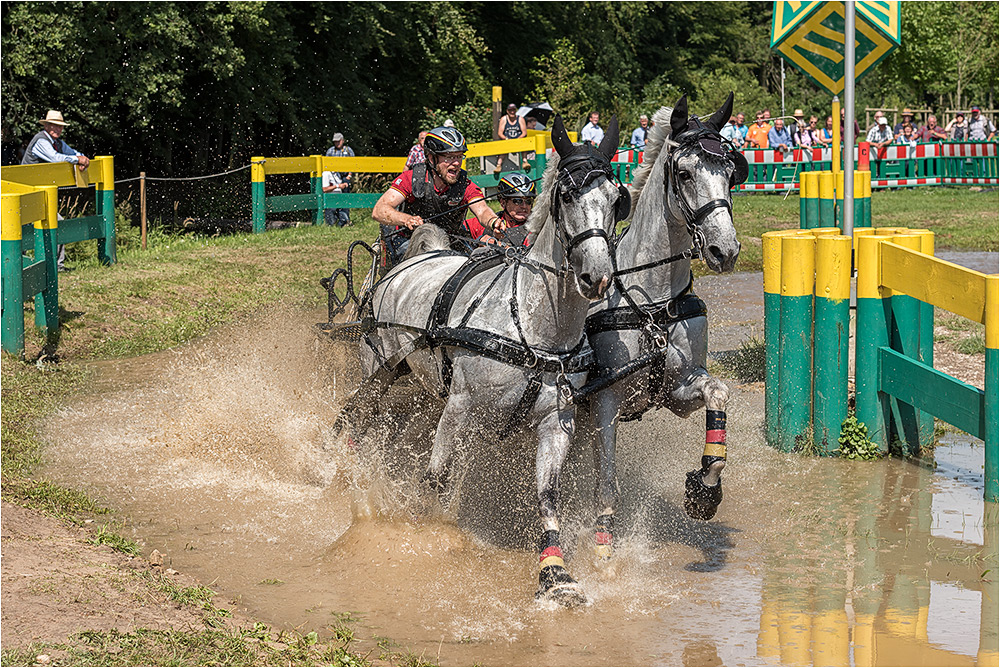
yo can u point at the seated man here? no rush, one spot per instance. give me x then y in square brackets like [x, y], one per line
[437, 190]
[515, 194]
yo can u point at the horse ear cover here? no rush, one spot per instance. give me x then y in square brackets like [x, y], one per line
[623, 205]
[678, 117]
[560, 140]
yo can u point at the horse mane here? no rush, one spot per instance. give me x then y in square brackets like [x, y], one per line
[542, 208]
[655, 141]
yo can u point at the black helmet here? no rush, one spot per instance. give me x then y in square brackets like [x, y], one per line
[444, 140]
[516, 185]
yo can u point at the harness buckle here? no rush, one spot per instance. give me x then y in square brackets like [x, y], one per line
[563, 384]
[654, 332]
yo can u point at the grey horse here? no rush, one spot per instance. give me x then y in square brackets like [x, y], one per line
[534, 305]
[685, 181]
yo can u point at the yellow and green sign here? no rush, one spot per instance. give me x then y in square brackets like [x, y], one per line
[810, 36]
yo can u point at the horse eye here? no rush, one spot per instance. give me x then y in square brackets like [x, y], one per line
[684, 174]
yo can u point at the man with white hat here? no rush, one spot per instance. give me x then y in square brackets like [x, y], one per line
[335, 182]
[48, 146]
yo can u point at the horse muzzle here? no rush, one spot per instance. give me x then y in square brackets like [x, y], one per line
[593, 288]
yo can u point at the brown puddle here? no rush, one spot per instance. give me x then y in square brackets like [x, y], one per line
[220, 455]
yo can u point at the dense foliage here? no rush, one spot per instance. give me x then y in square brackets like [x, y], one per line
[183, 88]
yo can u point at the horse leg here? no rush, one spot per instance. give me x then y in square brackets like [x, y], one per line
[452, 423]
[703, 487]
[554, 581]
[604, 412]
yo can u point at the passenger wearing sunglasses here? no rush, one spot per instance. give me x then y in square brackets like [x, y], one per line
[516, 194]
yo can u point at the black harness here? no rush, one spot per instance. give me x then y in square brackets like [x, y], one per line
[654, 318]
[580, 168]
[445, 208]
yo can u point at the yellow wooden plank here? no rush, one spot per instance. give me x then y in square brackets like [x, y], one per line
[365, 164]
[15, 188]
[933, 280]
[32, 207]
[10, 216]
[524, 144]
[297, 165]
[42, 174]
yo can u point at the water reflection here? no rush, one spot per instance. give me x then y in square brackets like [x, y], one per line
[875, 582]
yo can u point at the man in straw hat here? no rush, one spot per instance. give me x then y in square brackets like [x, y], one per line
[48, 146]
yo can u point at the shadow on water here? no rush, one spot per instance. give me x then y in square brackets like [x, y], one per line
[220, 455]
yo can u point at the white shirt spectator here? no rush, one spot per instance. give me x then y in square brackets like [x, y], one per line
[592, 133]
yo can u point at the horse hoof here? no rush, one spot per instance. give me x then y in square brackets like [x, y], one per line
[701, 501]
[557, 585]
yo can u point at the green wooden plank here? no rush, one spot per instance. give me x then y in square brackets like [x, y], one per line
[80, 229]
[350, 200]
[27, 238]
[33, 280]
[277, 203]
[928, 389]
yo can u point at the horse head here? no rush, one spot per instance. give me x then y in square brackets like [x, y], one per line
[702, 169]
[586, 204]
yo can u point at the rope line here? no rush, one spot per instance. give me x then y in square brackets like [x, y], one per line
[191, 178]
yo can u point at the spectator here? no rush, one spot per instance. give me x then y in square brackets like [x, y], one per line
[767, 119]
[757, 134]
[957, 129]
[336, 182]
[799, 121]
[980, 128]
[857, 128]
[742, 127]
[932, 131]
[532, 123]
[592, 132]
[825, 136]
[732, 133]
[511, 126]
[806, 136]
[906, 135]
[416, 155]
[907, 120]
[48, 146]
[778, 138]
[638, 141]
[879, 136]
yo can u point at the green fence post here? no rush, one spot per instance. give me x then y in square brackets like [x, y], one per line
[866, 200]
[905, 339]
[47, 250]
[991, 388]
[872, 333]
[795, 340]
[316, 186]
[926, 347]
[540, 160]
[105, 195]
[771, 245]
[827, 214]
[809, 200]
[831, 337]
[13, 277]
[257, 194]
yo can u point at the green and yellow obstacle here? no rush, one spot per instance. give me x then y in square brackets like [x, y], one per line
[821, 199]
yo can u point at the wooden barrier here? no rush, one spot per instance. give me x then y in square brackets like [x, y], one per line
[30, 222]
[538, 143]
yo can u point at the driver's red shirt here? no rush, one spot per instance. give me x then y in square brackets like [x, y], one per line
[476, 230]
[404, 185]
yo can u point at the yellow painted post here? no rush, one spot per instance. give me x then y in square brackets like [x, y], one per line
[105, 195]
[47, 249]
[991, 389]
[827, 202]
[257, 193]
[831, 337]
[836, 134]
[926, 349]
[11, 240]
[496, 110]
[795, 340]
[809, 200]
[904, 337]
[872, 332]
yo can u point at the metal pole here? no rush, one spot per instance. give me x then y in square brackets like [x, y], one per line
[142, 206]
[782, 86]
[848, 153]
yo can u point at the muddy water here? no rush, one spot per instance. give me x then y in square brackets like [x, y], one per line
[220, 455]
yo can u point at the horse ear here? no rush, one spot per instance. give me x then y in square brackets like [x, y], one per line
[609, 145]
[721, 117]
[560, 140]
[679, 116]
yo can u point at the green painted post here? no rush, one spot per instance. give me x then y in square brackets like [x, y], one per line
[991, 388]
[13, 277]
[866, 201]
[905, 338]
[257, 194]
[771, 244]
[839, 194]
[831, 337]
[46, 250]
[926, 346]
[827, 214]
[105, 203]
[795, 340]
[809, 200]
[316, 187]
[872, 332]
[540, 160]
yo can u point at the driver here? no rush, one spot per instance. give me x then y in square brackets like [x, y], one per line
[437, 188]
[516, 193]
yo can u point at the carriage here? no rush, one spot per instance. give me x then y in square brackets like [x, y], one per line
[518, 339]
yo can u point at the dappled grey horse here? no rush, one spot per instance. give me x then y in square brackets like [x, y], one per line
[650, 318]
[500, 335]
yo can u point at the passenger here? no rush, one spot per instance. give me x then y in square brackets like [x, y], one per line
[516, 194]
[437, 189]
